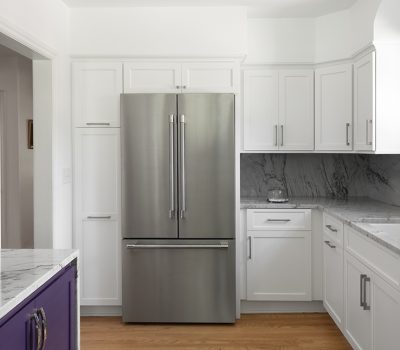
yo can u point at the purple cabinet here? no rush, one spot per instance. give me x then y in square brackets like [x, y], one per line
[45, 320]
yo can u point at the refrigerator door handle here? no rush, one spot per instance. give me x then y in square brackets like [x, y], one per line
[171, 167]
[177, 246]
[182, 167]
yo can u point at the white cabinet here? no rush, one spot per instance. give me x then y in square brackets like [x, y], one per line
[96, 89]
[152, 77]
[278, 110]
[175, 77]
[333, 108]
[364, 103]
[333, 279]
[296, 110]
[358, 318]
[279, 261]
[97, 214]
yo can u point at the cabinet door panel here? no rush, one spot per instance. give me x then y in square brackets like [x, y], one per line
[386, 316]
[96, 88]
[296, 110]
[216, 77]
[333, 108]
[364, 103]
[152, 77]
[333, 280]
[261, 107]
[358, 322]
[279, 266]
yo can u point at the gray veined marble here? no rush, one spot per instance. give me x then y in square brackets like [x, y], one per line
[23, 271]
[337, 176]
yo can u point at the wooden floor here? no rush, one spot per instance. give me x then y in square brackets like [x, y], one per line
[265, 331]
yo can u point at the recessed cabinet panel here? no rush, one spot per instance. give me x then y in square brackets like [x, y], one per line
[279, 266]
[261, 108]
[296, 110]
[364, 103]
[96, 88]
[333, 108]
[215, 77]
[152, 77]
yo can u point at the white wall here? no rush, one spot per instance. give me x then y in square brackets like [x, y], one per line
[46, 23]
[153, 31]
[280, 40]
[16, 85]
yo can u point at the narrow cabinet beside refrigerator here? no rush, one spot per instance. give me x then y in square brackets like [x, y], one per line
[97, 214]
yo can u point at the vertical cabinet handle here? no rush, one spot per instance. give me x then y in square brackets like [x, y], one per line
[362, 290]
[182, 177]
[368, 122]
[365, 303]
[347, 134]
[171, 166]
[42, 314]
[38, 331]
[276, 135]
[250, 252]
[281, 135]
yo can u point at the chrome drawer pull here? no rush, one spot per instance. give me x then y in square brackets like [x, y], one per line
[279, 220]
[329, 227]
[99, 124]
[100, 217]
[329, 244]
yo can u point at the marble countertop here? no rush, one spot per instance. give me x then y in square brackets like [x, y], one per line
[356, 212]
[23, 271]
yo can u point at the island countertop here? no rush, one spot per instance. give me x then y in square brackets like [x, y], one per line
[23, 271]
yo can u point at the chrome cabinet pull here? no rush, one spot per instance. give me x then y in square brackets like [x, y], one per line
[183, 178]
[278, 220]
[329, 227]
[184, 87]
[329, 244]
[361, 290]
[281, 135]
[366, 279]
[177, 246]
[366, 132]
[38, 328]
[276, 135]
[250, 252]
[368, 122]
[99, 124]
[99, 217]
[171, 167]
[44, 326]
[178, 87]
[347, 134]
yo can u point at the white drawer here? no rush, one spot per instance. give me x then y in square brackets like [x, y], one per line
[333, 228]
[278, 219]
[381, 260]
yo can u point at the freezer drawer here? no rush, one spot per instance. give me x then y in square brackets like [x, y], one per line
[178, 281]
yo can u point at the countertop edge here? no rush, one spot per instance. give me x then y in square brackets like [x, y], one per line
[14, 302]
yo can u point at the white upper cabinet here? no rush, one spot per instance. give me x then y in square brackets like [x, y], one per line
[278, 110]
[261, 110]
[96, 89]
[210, 77]
[175, 77]
[333, 108]
[364, 103]
[152, 77]
[296, 110]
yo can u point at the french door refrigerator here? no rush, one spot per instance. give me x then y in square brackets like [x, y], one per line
[178, 222]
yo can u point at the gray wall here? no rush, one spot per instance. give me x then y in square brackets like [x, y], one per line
[322, 175]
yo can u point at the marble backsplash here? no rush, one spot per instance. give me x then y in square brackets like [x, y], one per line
[322, 175]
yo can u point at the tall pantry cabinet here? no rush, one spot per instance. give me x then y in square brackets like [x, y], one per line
[96, 93]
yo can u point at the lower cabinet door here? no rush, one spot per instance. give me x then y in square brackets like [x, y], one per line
[333, 280]
[279, 266]
[386, 316]
[18, 331]
[358, 315]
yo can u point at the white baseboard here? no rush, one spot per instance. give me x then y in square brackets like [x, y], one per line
[101, 310]
[261, 307]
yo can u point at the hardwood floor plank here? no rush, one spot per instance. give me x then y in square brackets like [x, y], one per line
[255, 332]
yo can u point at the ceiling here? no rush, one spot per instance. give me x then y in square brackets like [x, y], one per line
[256, 8]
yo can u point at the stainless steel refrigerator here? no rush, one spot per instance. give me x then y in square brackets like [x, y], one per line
[178, 221]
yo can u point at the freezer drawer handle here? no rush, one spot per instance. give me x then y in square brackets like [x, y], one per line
[179, 246]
